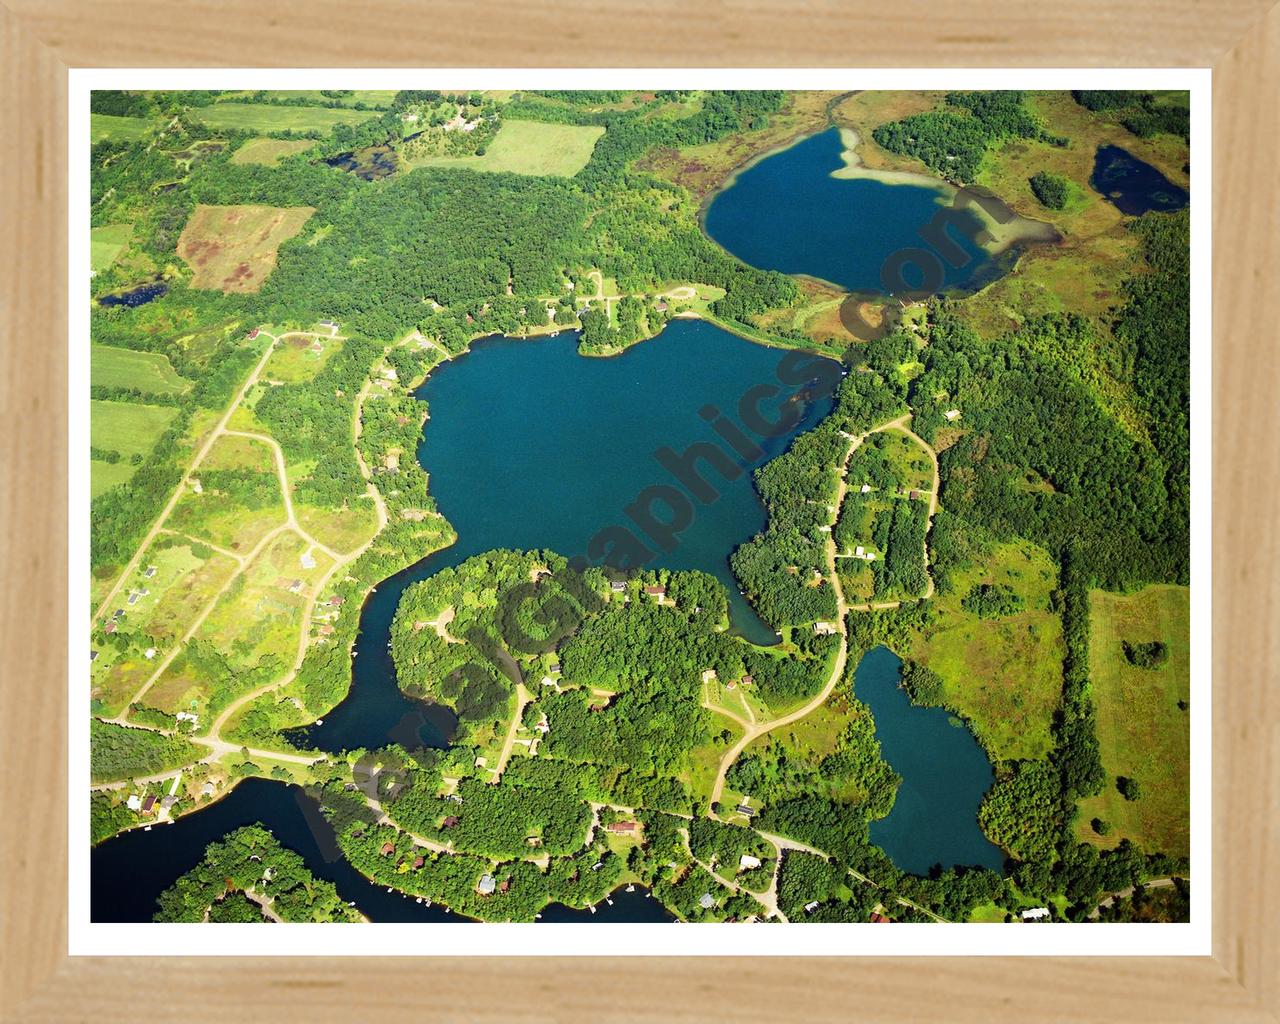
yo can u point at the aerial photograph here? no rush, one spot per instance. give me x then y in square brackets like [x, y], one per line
[737, 506]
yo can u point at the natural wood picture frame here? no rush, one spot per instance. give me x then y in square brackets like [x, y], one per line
[41, 39]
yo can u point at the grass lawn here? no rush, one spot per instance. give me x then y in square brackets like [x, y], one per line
[150, 372]
[129, 428]
[106, 243]
[109, 126]
[1003, 674]
[267, 117]
[529, 147]
[233, 248]
[269, 151]
[1142, 732]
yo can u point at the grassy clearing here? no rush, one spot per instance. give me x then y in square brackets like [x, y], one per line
[529, 147]
[343, 529]
[269, 151]
[124, 129]
[267, 117]
[233, 511]
[1142, 732]
[300, 357]
[254, 625]
[187, 576]
[1003, 674]
[129, 428]
[233, 248]
[106, 243]
[149, 372]
[105, 475]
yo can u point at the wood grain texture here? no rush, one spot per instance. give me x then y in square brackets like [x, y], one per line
[38, 40]
[1246, 459]
[652, 33]
[33, 512]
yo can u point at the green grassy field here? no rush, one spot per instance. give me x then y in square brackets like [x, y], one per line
[267, 117]
[108, 126]
[1003, 674]
[529, 147]
[127, 427]
[105, 475]
[106, 243]
[269, 151]
[150, 372]
[1142, 732]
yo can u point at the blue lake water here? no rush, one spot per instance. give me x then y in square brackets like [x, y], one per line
[787, 213]
[531, 445]
[1133, 186]
[945, 775]
[135, 296]
[129, 872]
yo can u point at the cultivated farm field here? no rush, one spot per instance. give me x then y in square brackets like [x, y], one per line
[233, 248]
[129, 428]
[529, 147]
[269, 151]
[109, 126]
[149, 372]
[106, 243]
[268, 117]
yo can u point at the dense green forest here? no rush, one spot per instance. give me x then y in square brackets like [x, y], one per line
[250, 860]
[953, 140]
[119, 752]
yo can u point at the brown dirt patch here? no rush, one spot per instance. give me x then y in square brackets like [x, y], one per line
[233, 248]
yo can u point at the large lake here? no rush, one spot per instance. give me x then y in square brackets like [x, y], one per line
[945, 775]
[531, 445]
[788, 213]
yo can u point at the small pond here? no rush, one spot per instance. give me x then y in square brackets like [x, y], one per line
[368, 164]
[1133, 186]
[945, 775]
[136, 296]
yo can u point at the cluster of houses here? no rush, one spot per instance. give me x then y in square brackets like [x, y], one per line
[658, 593]
[152, 806]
